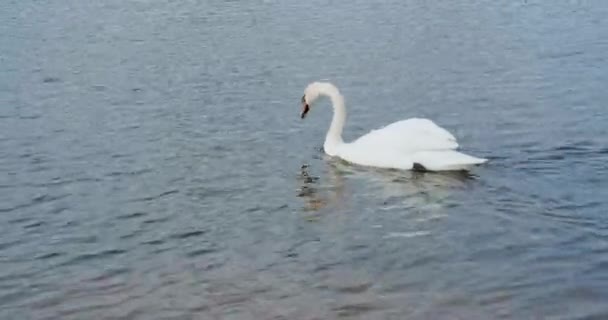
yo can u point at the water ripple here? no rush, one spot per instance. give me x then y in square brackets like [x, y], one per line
[87, 257]
[155, 197]
[189, 234]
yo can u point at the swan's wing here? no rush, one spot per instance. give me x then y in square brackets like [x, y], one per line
[442, 160]
[409, 135]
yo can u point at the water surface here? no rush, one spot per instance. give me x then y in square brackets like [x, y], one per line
[153, 164]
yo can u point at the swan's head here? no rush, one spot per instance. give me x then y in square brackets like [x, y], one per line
[311, 93]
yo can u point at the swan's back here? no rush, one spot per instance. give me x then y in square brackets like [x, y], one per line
[408, 136]
[409, 144]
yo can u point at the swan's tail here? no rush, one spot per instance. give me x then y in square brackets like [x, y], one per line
[446, 160]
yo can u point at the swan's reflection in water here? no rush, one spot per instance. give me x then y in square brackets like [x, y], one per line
[425, 191]
[318, 195]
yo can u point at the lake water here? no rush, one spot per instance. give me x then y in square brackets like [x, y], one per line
[153, 164]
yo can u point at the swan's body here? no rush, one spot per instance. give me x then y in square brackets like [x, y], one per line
[406, 144]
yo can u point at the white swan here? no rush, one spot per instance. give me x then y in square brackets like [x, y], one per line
[417, 144]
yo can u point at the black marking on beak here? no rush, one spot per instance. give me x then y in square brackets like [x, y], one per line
[305, 107]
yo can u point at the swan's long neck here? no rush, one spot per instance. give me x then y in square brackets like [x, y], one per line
[334, 134]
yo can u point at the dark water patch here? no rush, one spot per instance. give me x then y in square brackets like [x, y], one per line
[189, 234]
[49, 255]
[55, 182]
[597, 269]
[17, 207]
[155, 197]
[16, 276]
[20, 220]
[253, 209]
[200, 252]
[108, 274]
[137, 173]
[89, 257]
[119, 155]
[51, 80]
[580, 150]
[70, 224]
[136, 313]
[279, 208]
[34, 225]
[561, 55]
[290, 254]
[356, 309]
[47, 198]
[499, 250]
[156, 220]
[548, 157]
[323, 267]
[213, 192]
[348, 284]
[154, 242]
[133, 215]
[26, 155]
[575, 147]
[131, 234]
[13, 296]
[79, 238]
[10, 244]
[161, 250]
[416, 262]
[570, 216]
[577, 206]
[29, 117]
[131, 127]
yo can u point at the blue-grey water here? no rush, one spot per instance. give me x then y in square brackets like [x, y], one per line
[153, 164]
